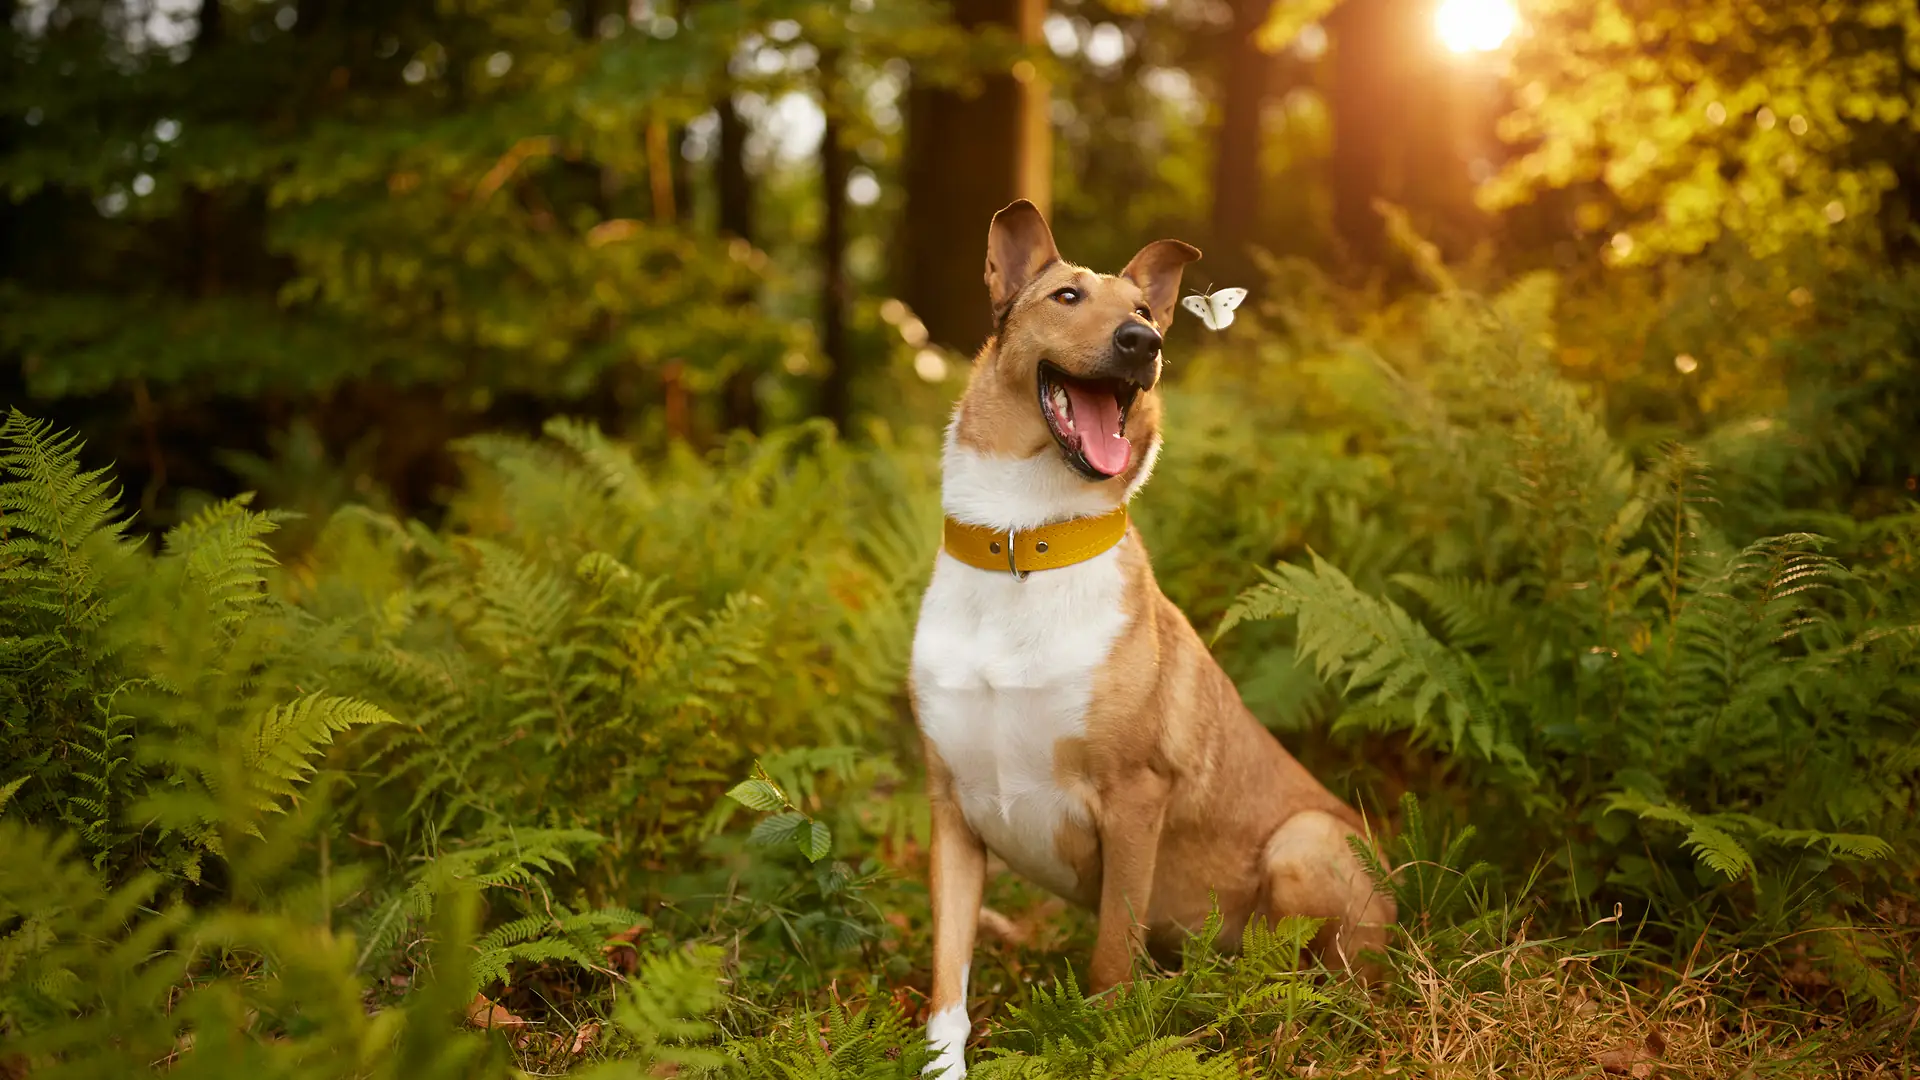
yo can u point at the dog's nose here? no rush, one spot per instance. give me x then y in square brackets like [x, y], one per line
[1136, 345]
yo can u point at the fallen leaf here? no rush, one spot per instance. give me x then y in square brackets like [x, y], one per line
[584, 1037]
[620, 952]
[483, 1013]
[1633, 1059]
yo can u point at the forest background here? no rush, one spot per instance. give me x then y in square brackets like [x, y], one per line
[452, 445]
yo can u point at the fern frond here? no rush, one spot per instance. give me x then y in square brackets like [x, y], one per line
[45, 494]
[1711, 844]
[1394, 669]
[59, 539]
[664, 1011]
[1472, 614]
[280, 746]
[226, 556]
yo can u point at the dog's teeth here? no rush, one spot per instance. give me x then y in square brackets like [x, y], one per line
[1062, 407]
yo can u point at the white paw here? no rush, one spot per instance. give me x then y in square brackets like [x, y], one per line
[947, 1031]
[949, 1060]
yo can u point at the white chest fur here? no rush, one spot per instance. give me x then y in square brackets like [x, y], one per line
[1004, 669]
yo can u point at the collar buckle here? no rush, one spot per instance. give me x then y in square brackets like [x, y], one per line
[1013, 544]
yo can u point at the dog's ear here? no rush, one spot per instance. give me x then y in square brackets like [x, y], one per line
[1019, 246]
[1156, 269]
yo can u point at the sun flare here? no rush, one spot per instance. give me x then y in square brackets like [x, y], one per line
[1475, 25]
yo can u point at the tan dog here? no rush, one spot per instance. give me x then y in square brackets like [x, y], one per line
[1074, 723]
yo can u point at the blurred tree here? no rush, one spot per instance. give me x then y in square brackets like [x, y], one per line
[836, 393]
[408, 217]
[1408, 127]
[733, 192]
[411, 219]
[1238, 142]
[971, 149]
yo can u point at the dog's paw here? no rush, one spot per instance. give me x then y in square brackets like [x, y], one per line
[947, 1032]
[950, 1065]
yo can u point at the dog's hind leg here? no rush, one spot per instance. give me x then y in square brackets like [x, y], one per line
[1311, 871]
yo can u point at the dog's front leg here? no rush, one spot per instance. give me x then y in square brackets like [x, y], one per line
[1133, 808]
[959, 873]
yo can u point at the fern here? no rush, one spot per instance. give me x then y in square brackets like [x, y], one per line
[1061, 1033]
[64, 558]
[278, 749]
[1472, 614]
[225, 555]
[1715, 839]
[58, 537]
[1395, 672]
[663, 1012]
[524, 860]
[102, 766]
[871, 1042]
[1432, 881]
[554, 935]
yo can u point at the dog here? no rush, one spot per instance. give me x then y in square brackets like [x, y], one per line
[1073, 722]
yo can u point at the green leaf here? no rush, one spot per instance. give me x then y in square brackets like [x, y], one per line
[6, 793]
[814, 841]
[757, 794]
[778, 829]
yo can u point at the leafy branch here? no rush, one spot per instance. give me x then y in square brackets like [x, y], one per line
[788, 823]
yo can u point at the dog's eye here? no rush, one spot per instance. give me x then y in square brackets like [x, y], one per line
[1067, 296]
[1144, 313]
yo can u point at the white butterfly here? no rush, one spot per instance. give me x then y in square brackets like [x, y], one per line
[1216, 309]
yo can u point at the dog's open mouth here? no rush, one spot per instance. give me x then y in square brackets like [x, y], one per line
[1088, 418]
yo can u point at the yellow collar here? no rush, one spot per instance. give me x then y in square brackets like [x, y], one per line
[1048, 547]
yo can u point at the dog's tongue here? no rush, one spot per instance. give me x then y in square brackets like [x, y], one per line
[1096, 417]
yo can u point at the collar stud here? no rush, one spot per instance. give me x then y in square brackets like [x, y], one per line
[1047, 547]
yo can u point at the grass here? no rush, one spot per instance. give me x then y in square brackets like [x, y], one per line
[1480, 997]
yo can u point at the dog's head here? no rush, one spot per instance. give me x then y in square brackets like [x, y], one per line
[1075, 354]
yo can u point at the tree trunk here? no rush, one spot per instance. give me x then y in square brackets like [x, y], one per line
[1236, 165]
[730, 167]
[682, 176]
[1363, 122]
[836, 394]
[735, 191]
[968, 156]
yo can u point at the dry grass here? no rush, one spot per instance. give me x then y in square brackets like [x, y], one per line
[1531, 1010]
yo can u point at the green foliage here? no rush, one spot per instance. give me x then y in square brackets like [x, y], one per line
[1624, 675]
[1674, 125]
[1385, 655]
[1584, 639]
[114, 641]
[1184, 1025]
[502, 663]
[1431, 878]
[98, 981]
[786, 824]
[61, 553]
[602, 648]
[871, 1042]
[662, 1011]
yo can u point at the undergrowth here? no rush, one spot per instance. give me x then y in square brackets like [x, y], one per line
[1638, 717]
